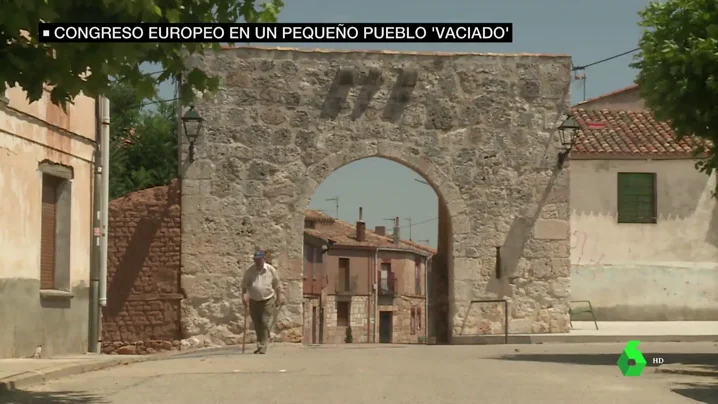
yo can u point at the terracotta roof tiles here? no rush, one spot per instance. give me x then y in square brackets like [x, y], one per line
[612, 93]
[344, 234]
[627, 133]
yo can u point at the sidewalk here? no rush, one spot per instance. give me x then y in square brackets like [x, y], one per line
[687, 369]
[610, 331]
[20, 373]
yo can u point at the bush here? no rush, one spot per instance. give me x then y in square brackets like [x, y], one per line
[349, 338]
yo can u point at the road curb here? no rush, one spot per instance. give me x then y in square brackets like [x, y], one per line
[519, 339]
[23, 380]
[686, 370]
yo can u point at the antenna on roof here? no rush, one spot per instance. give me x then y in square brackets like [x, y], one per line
[335, 199]
[582, 77]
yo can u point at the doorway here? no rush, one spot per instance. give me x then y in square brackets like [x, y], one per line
[386, 326]
[314, 325]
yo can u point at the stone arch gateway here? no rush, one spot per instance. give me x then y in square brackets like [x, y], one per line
[478, 127]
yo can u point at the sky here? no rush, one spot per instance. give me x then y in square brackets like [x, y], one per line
[587, 30]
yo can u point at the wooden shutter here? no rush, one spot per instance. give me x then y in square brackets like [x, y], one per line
[47, 231]
[637, 198]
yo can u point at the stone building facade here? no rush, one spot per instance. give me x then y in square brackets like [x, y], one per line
[480, 128]
[355, 277]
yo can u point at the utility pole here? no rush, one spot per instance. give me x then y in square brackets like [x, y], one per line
[409, 220]
[335, 199]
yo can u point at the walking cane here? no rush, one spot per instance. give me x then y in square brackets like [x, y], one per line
[271, 327]
[244, 334]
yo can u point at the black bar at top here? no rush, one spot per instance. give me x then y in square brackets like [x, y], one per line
[260, 33]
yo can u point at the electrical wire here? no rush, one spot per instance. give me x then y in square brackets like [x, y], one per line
[144, 104]
[418, 223]
[605, 60]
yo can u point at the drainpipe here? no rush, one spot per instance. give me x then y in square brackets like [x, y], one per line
[427, 265]
[375, 295]
[95, 328]
[105, 144]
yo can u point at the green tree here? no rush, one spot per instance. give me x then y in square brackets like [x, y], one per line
[678, 70]
[30, 64]
[143, 142]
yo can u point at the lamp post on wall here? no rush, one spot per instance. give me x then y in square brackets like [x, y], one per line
[192, 124]
[567, 132]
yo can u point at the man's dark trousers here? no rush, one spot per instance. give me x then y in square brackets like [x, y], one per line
[262, 313]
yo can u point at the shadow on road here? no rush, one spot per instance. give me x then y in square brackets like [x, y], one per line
[55, 397]
[702, 393]
[709, 360]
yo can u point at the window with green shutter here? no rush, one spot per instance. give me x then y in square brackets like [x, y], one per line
[637, 198]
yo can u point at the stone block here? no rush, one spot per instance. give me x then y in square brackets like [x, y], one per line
[551, 229]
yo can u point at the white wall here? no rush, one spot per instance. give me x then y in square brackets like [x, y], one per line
[644, 272]
[31, 134]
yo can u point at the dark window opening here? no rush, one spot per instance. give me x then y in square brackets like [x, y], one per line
[637, 198]
[344, 274]
[48, 231]
[343, 311]
[417, 278]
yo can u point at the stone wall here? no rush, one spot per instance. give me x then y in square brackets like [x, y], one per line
[402, 324]
[359, 320]
[480, 128]
[143, 299]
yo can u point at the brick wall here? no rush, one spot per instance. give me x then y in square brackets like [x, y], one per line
[143, 286]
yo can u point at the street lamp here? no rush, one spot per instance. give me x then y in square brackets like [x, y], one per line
[567, 132]
[192, 123]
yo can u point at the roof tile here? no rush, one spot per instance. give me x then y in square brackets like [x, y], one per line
[344, 234]
[627, 133]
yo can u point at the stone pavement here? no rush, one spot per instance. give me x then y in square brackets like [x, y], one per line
[396, 374]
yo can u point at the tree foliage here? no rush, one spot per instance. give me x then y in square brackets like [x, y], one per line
[143, 142]
[678, 69]
[30, 64]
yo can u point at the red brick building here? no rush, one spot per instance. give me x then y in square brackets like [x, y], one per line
[364, 280]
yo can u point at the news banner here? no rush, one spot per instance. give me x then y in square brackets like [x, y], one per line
[268, 33]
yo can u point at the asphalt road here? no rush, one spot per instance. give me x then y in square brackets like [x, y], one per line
[535, 374]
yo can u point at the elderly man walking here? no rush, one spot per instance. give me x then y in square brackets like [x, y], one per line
[262, 291]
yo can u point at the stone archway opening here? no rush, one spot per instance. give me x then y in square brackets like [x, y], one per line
[480, 128]
[377, 247]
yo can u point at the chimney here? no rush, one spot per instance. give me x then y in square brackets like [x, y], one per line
[380, 230]
[361, 226]
[396, 232]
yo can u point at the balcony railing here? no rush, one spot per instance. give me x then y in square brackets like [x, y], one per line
[347, 286]
[387, 287]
